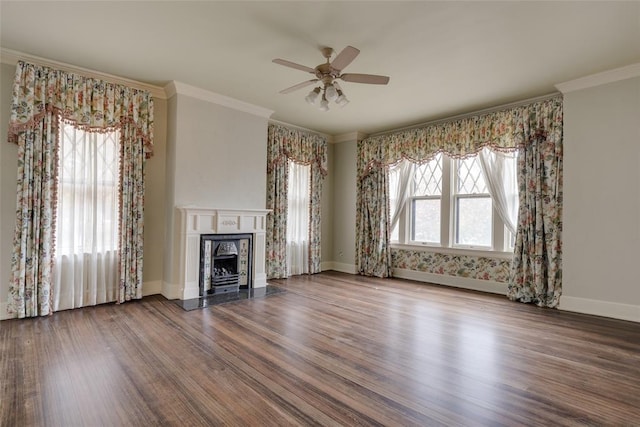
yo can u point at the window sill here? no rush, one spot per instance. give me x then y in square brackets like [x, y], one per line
[454, 251]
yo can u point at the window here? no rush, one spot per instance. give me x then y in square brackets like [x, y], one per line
[89, 165]
[472, 207]
[426, 199]
[87, 217]
[449, 203]
[298, 203]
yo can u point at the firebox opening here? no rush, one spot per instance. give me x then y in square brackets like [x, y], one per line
[225, 263]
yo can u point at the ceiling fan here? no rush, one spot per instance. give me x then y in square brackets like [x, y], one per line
[326, 75]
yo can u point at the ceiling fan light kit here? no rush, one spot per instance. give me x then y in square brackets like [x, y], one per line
[313, 95]
[326, 75]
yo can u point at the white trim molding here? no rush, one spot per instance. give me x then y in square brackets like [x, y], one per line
[179, 88]
[11, 57]
[152, 287]
[454, 281]
[594, 307]
[303, 129]
[338, 266]
[349, 137]
[170, 291]
[610, 76]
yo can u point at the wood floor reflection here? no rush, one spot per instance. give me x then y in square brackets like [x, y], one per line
[334, 349]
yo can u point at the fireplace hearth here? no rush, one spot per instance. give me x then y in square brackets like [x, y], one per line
[225, 263]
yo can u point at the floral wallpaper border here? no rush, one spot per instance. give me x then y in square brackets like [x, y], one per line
[467, 266]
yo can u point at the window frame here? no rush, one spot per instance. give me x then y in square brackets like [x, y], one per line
[456, 195]
[499, 233]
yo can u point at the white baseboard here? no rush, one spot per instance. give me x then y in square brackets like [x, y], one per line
[327, 265]
[170, 291]
[152, 287]
[614, 310]
[458, 282]
[338, 266]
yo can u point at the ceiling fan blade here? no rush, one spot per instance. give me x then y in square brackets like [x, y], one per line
[345, 57]
[298, 86]
[365, 78]
[294, 65]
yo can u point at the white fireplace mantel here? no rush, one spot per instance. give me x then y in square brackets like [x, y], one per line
[194, 221]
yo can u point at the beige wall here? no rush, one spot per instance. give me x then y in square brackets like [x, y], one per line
[220, 156]
[326, 226]
[154, 214]
[601, 236]
[344, 206]
[8, 173]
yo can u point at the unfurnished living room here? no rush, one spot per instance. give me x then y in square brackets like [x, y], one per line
[261, 213]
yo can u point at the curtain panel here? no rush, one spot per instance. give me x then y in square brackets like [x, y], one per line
[536, 271]
[43, 96]
[306, 148]
[534, 129]
[373, 219]
[32, 259]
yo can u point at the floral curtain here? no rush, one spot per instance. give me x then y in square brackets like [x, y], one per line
[306, 148]
[536, 271]
[30, 292]
[373, 254]
[43, 96]
[519, 128]
[505, 130]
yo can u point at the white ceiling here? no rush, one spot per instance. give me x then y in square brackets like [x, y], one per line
[444, 58]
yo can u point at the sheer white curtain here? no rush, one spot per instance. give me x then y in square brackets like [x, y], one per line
[500, 175]
[86, 266]
[298, 204]
[399, 187]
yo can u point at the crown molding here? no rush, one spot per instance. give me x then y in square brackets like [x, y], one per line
[11, 57]
[349, 137]
[328, 137]
[179, 88]
[610, 76]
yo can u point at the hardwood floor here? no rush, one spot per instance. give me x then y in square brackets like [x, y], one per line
[334, 349]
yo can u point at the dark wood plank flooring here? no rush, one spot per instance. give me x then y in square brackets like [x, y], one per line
[335, 349]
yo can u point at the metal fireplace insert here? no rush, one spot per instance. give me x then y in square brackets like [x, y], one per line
[225, 263]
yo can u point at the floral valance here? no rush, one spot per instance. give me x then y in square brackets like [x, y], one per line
[504, 130]
[302, 147]
[88, 102]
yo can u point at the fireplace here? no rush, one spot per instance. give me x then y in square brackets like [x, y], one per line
[194, 222]
[225, 263]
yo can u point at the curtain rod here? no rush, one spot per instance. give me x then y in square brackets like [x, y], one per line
[482, 112]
